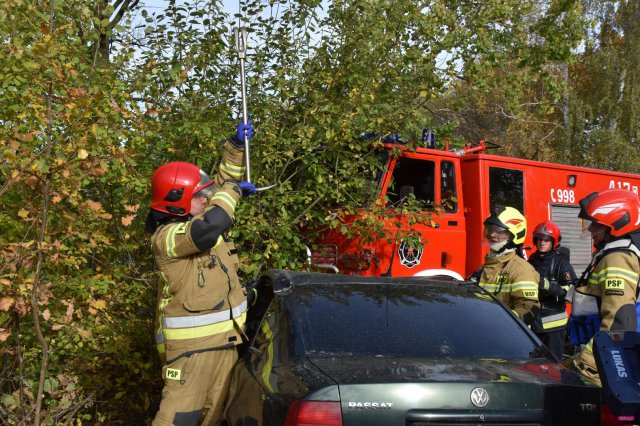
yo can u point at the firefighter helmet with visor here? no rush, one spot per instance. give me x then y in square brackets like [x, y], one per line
[174, 184]
[617, 209]
[547, 229]
[511, 220]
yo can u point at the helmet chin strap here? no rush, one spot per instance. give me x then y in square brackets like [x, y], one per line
[606, 240]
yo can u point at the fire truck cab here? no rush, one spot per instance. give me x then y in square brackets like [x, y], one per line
[467, 184]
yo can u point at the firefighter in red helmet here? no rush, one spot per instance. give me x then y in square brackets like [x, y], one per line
[201, 304]
[612, 276]
[505, 273]
[556, 276]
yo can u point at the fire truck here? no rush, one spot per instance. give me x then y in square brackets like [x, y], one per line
[467, 184]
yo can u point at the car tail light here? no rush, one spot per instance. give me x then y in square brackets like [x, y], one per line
[309, 413]
[607, 418]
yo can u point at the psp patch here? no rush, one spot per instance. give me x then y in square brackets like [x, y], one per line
[182, 228]
[173, 374]
[614, 284]
[409, 256]
[530, 294]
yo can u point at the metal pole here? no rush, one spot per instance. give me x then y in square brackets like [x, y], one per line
[241, 46]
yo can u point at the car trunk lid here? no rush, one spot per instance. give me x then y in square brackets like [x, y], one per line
[420, 392]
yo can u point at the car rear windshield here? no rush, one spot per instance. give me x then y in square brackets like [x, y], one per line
[408, 321]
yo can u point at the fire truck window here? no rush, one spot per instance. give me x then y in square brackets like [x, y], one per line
[506, 188]
[373, 171]
[411, 175]
[448, 195]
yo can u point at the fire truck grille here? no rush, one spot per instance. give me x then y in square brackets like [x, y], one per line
[324, 256]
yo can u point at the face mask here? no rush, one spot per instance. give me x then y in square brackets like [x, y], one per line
[496, 247]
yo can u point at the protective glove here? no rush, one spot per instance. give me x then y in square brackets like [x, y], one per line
[252, 287]
[247, 188]
[552, 287]
[243, 129]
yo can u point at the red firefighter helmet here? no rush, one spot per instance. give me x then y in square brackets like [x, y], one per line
[173, 185]
[617, 209]
[548, 229]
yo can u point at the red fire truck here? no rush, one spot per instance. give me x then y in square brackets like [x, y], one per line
[467, 183]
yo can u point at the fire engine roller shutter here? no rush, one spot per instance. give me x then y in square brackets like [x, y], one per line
[566, 217]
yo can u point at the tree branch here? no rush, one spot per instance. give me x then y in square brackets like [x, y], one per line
[127, 5]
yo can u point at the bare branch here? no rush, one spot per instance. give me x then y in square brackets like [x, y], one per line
[516, 118]
[78, 406]
[127, 5]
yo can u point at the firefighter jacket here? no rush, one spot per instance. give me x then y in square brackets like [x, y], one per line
[513, 281]
[613, 280]
[612, 277]
[201, 304]
[556, 276]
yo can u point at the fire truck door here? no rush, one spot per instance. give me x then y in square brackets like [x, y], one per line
[451, 223]
[432, 181]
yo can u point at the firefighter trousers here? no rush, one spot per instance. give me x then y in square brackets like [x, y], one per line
[585, 363]
[554, 340]
[195, 389]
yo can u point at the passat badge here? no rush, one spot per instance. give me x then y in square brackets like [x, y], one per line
[479, 397]
[370, 405]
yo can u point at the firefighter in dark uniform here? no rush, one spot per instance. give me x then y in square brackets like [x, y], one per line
[612, 276]
[505, 273]
[556, 276]
[201, 304]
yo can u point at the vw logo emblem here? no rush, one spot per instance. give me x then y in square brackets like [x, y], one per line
[479, 397]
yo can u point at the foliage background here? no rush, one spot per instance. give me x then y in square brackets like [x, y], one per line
[96, 94]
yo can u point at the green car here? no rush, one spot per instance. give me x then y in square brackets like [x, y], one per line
[348, 350]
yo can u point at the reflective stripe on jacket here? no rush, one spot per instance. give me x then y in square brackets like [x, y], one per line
[556, 269]
[201, 304]
[513, 281]
[614, 281]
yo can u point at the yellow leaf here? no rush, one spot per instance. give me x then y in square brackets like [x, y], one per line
[82, 154]
[4, 334]
[23, 213]
[99, 304]
[84, 333]
[69, 313]
[424, 94]
[126, 221]
[46, 315]
[6, 303]
[94, 205]
[20, 306]
[57, 327]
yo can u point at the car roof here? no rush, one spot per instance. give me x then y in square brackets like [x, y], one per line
[320, 304]
[284, 281]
